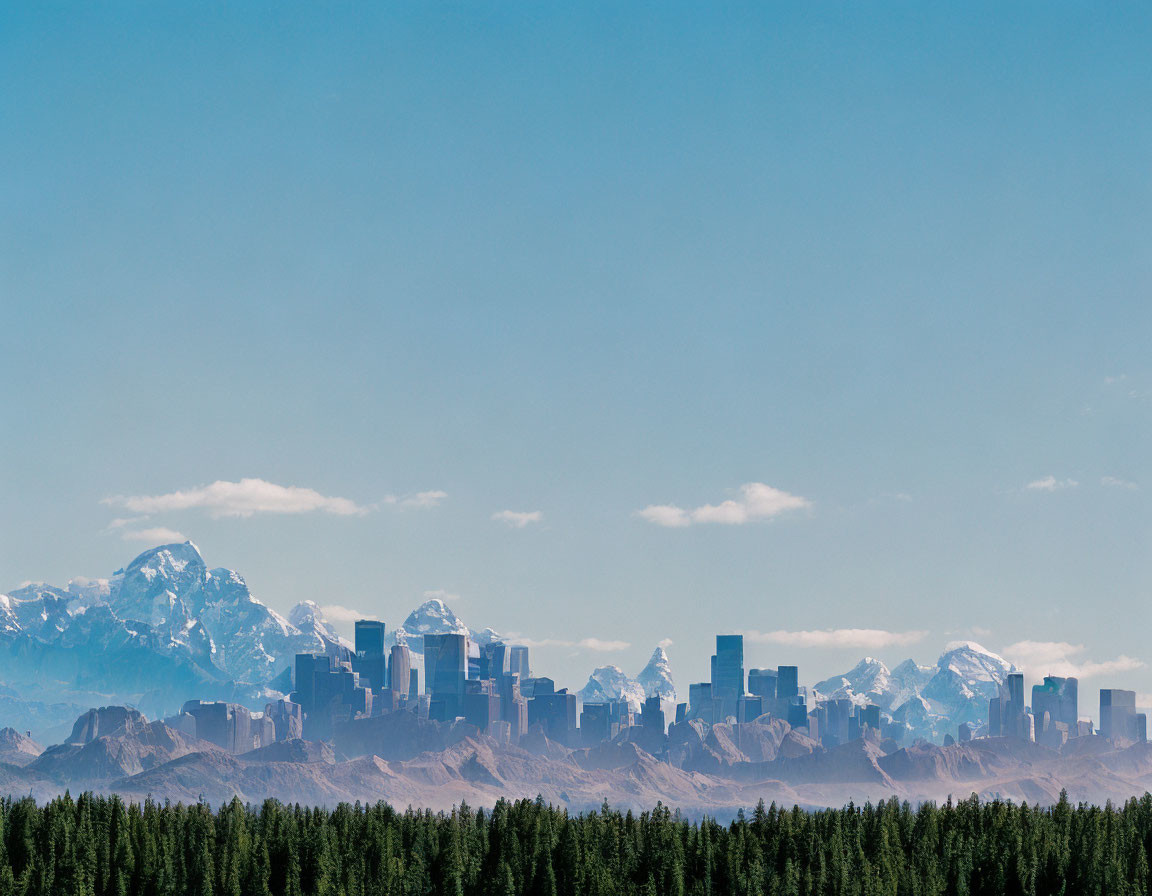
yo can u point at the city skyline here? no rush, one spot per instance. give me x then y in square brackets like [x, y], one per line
[615, 326]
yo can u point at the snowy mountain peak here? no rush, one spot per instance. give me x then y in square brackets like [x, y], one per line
[487, 636]
[309, 618]
[307, 614]
[610, 683]
[973, 661]
[434, 617]
[168, 560]
[869, 681]
[656, 677]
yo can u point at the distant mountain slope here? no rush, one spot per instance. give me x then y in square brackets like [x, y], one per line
[165, 629]
[612, 683]
[929, 701]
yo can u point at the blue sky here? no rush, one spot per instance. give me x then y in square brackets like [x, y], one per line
[577, 261]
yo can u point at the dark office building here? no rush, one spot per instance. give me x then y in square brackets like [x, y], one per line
[537, 687]
[702, 705]
[595, 725]
[996, 717]
[750, 707]
[556, 714]
[652, 715]
[728, 673]
[869, 716]
[1118, 714]
[762, 683]
[445, 664]
[481, 704]
[494, 661]
[1015, 687]
[445, 672]
[369, 662]
[369, 637]
[787, 682]
[328, 693]
[798, 711]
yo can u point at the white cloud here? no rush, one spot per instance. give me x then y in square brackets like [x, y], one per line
[156, 535]
[518, 519]
[867, 638]
[240, 499]
[1051, 484]
[418, 500]
[1114, 482]
[665, 515]
[665, 643]
[1061, 658]
[344, 615]
[594, 644]
[602, 646]
[756, 501]
[441, 594]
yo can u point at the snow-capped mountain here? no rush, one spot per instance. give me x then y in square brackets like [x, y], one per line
[967, 671]
[611, 683]
[211, 611]
[656, 677]
[310, 620]
[165, 629]
[909, 678]
[928, 700]
[433, 617]
[870, 681]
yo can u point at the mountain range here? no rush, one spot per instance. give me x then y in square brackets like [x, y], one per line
[167, 628]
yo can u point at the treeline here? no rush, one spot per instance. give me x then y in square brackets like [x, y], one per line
[101, 846]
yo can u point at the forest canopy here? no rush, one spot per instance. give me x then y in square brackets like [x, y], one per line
[102, 846]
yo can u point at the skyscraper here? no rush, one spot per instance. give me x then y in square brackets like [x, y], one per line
[1118, 713]
[1054, 705]
[518, 662]
[445, 671]
[762, 683]
[369, 637]
[728, 672]
[787, 682]
[399, 670]
[369, 662]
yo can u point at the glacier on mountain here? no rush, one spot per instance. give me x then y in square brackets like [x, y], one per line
[611, 683]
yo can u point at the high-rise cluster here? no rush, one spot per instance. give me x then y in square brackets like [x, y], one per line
[491, 687]
[1054, 716]
[766, 694]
